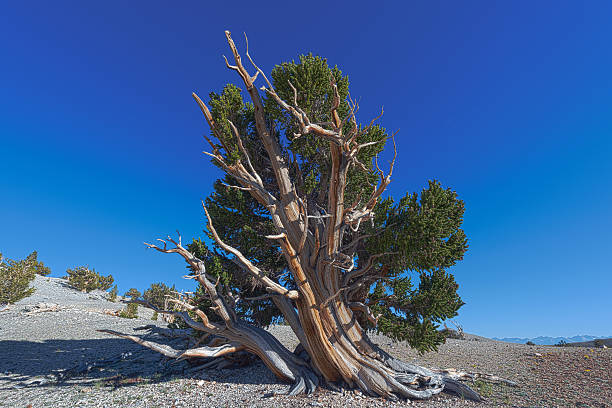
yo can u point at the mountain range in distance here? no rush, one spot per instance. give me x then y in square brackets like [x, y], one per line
[545, 340]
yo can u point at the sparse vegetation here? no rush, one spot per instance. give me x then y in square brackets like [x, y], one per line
[86, 280]
[112, 295]
[484, 389]
[562, 343]
[133, 293]
[39, 267]
[154, 316]
[530, 343]
[452, 333]
[15, 278]
[131, 312]
[157, 294]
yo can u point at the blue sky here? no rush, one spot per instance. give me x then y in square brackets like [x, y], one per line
[508, 103]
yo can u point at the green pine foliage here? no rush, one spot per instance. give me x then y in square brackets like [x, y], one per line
[39, 267]
[130, 312]
[112, 294]
[15, 278]
[85, 279]
[133, 293]
[157, 294]
[420, 235]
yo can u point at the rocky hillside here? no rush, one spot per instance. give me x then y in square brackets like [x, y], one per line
[51, 355]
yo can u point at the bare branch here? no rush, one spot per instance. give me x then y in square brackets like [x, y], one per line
[211, 124]
[197, 265]
[368, 266]
[366, 310]
[319, 216]
[245, 153]
[304, 211]
[289, 212]
[227, 64]
[268, 283]
[295, 104]
[356, 240]
[168, 351]
[361, 146]
[305, 125]
[394, 153]
[237, 187]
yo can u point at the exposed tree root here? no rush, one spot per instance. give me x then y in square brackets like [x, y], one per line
[402, 379]
[283, 363]
[445, 381]
[356, 361]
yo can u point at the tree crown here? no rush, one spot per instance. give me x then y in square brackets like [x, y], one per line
[417, 237]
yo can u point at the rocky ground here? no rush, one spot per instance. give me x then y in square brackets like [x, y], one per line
[52, 356]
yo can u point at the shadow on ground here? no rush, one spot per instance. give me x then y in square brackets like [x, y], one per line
[106, 362]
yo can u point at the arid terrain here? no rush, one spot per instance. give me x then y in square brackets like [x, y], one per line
[52, 356]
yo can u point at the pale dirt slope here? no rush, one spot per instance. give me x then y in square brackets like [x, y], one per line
[104, 371]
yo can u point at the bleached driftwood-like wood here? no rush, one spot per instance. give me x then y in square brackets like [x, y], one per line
[473, 376]
[168, 351]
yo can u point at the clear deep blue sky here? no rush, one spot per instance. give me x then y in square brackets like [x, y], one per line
[508, 103]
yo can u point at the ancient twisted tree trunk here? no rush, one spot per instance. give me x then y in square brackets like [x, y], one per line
[319, 311]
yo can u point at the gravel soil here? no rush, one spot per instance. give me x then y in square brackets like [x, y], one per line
[52, 356]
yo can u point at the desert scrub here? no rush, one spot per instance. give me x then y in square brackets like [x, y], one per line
[131, 312]
[15, 278]
[86, 280]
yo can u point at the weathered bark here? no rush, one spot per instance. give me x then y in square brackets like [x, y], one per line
[319, 311]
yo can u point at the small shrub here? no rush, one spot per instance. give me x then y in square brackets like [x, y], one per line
[133, 293]
[131, 312]
[561, 343]
[86, 280]
[15, 278]
[530, 343]
[157, 293]
[112, 295]
[452, 333]
[484, 389]
[154, 317]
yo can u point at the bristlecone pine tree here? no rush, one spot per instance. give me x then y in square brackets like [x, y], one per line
[301, 233]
